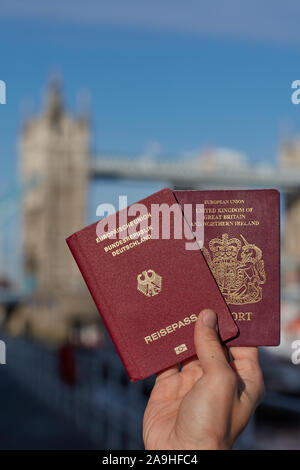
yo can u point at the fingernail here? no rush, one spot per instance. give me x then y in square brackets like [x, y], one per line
[209, 318]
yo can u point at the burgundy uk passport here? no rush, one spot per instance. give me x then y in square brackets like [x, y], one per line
[242, 249]
[148, 291]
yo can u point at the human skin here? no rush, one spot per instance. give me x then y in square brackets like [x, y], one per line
[209, 402]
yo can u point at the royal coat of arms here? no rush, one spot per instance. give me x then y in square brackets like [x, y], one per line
[149, 283]
[239, 270]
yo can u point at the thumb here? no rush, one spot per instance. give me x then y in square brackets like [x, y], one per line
[207, 343]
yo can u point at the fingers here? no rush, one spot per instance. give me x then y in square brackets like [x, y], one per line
[226, 353]
[190, 362]
[244, 353]
[207, 343]
[164, 374]
[192, 367]
[246, 366]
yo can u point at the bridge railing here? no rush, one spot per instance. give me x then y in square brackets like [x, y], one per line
[102, 403]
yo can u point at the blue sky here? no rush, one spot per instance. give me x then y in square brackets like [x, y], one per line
[188, 75]
[174, 73]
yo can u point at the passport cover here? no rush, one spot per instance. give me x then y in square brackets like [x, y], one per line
[242, 249]
[149, 291]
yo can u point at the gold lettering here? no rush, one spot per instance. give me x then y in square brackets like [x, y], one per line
[170, 328]
[242, 316]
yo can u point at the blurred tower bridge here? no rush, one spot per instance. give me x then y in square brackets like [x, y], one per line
[55, 151]
[189, 175]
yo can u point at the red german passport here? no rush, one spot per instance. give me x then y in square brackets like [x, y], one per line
[242, 249]
[148, 290]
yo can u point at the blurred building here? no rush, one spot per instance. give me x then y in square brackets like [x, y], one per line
[54, 154]
[290, 160]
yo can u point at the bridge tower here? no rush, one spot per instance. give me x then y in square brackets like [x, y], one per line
[54, 152]
[290, 160]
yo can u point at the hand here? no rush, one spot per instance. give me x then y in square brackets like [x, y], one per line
[210, 401]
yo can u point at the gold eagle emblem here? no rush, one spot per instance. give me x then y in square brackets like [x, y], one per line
[239, 270]
[149, 283]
